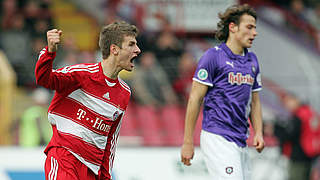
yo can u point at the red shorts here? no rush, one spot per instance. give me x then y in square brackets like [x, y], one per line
[62, 165]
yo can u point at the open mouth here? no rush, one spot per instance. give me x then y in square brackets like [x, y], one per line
[133, 58]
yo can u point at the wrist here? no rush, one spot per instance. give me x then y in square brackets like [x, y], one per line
[188, 142]
[51, 50]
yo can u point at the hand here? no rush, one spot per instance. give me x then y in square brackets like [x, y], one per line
[258, 142]
[187, 152]
[53, 38]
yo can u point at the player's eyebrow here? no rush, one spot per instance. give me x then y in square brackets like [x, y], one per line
[252, 25]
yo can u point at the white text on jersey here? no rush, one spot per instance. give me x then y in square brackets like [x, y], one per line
[97, 124]
[240, 79]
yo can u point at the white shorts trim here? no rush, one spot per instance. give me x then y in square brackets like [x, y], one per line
[224, 159]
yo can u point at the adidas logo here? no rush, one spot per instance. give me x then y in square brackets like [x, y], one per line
[107, 96]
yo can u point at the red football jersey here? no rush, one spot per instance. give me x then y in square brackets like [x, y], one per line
[86, 110]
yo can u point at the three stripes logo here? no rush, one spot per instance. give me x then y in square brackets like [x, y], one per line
[54, 169]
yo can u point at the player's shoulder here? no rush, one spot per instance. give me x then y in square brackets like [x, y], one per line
[82, 68]
[214, 51]
[124, 85]
[86, 67]
[211, 54]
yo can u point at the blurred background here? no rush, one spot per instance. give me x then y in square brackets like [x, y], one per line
[173, 36]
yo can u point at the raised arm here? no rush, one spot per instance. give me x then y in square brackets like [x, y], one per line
[45, 75]
[197, 93]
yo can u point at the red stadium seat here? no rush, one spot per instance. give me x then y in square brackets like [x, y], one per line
[173, 123]
[150, 126]
[129, 122]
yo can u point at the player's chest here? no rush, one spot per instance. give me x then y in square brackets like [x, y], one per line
[112, 94]
[237, 72]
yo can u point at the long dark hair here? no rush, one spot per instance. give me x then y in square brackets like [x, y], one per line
[232, 14]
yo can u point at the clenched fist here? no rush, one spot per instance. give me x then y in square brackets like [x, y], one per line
[53, 38]
[187, 153]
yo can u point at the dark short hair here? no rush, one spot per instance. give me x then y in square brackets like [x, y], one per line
[232, 14]
[114, 33]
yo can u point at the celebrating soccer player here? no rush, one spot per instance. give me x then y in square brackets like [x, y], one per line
[88, 105]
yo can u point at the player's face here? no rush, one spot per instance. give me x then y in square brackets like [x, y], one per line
[246, 31]
[128, 52]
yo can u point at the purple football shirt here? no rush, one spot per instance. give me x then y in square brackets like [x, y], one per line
[231, 79]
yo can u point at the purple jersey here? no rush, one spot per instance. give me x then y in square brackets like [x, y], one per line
[231, 79]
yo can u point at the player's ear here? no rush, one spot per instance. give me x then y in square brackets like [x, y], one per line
[233, 27]
[114, 49]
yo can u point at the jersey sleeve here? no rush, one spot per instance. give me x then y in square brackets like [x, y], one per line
[47, 77]
[257, 84]
[204, 73]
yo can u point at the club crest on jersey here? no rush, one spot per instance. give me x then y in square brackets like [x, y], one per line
[240, 79]
[202, 74]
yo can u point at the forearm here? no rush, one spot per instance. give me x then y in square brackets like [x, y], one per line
[256, 117]
[43, 68]
[192, 113]
[54, 79]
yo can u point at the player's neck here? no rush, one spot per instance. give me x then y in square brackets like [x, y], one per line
[235, 47]
[110, 69]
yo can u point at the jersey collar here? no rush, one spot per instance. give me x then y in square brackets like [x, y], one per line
[231, 55]
[110, 82]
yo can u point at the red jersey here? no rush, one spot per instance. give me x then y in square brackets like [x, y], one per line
[86, 111]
